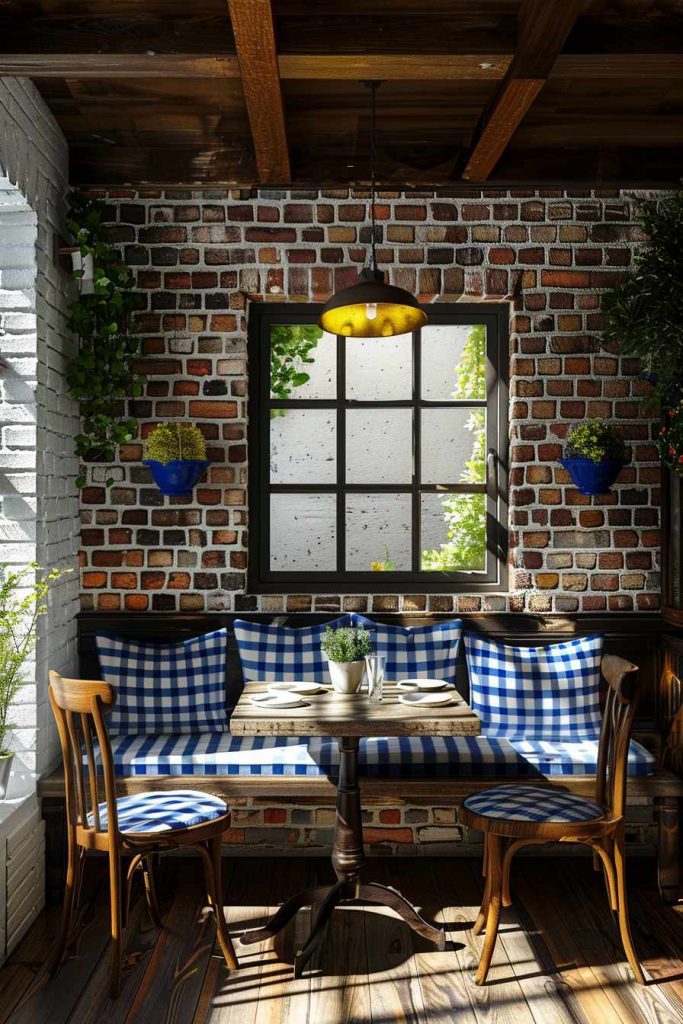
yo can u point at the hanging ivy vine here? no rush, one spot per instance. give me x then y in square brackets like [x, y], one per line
[102, 377]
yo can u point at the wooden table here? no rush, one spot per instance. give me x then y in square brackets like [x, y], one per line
[348, 716]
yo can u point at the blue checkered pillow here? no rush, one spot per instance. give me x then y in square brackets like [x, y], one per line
[166, 687]
[274, 654]
[544, 693]
[427, 652]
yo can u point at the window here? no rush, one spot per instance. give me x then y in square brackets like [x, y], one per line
[378, 464]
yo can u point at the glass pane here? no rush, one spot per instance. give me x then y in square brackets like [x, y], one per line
[303, 362]
[453, 446]
[303, 532]
[378, 533]
[303, 446]
[379, 446]
[453, 361]
[453, 533]
[379, 369]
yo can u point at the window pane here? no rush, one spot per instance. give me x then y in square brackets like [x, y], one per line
[453, 532]
[303, 532]
[379, 446]
[303, 362]
[303, 446]
[378, 533]
[453, 443]
[453, 361]
[379, 369]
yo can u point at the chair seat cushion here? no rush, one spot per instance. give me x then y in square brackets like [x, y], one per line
[382, 757]
[163, 812]
[532, 803]
[579, 758]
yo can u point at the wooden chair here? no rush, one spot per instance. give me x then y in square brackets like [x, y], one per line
[515, 816]
[137, 826]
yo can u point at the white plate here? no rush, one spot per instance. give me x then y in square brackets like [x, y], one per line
[426, 700]
[278, 701]
[303, 689]
[425, 685]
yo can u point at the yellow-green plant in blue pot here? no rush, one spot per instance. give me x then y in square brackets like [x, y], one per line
[594, 456]
[176, 457]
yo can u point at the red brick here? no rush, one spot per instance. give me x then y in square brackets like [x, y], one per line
[387, 835]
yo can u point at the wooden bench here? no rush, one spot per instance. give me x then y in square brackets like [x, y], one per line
[632, 636]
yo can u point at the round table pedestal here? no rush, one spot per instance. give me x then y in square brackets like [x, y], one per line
[348, 859]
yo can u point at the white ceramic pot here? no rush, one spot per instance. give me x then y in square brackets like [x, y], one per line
[87, 265]
[346, 676]
[5, 768]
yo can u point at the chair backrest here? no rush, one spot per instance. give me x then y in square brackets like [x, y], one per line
[615, 734]
[79, 707]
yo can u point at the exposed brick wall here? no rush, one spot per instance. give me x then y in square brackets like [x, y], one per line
[201, 258]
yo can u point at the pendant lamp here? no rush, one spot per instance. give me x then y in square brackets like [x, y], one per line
[371, 308]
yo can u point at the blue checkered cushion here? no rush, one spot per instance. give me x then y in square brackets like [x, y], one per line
[384, 757]
[272, 654]
[416, 651]
[165, 687]
[549, 693]
[580, 758]
[532, 803]
[162, 812]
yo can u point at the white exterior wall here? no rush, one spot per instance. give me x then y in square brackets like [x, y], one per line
[38, 497]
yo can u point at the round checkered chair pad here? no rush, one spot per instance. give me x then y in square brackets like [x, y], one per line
[163, 812]
[532, 803]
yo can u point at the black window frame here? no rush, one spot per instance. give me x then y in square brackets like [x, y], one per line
[261, 578]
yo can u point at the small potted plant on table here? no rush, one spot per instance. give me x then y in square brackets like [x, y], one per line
[346, 649]
[594, 456]
[22, 600]
[176, 456]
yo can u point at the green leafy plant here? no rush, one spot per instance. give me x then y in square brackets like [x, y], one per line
[644, 312]
[22, 600]
[102, 377]
[291, 346]
[385, 565]
[465, 514]
[595, 440]
[169, 442]
[671, 438]
[347, 643]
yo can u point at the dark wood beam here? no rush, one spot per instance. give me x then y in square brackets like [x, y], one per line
[118, 65]
[543, 28]
[252, 24]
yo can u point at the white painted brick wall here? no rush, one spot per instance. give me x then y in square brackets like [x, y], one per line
[38, 498]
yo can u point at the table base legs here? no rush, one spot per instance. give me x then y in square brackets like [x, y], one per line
[329, 897]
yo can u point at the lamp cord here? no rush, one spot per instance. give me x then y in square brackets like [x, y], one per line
[373, 187]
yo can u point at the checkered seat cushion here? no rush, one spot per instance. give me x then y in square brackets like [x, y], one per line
[416, 651]
[532, 803]
[580, 758]
[163, 812]
[272, 654]
[382, 757]
[536, 693]
[165, 688]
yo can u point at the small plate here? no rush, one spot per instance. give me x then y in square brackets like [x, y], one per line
[425, 685]
[278, 701]
[303, 689]
[426, 700]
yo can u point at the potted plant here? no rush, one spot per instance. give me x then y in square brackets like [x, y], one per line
[22, 600]
[176, 455]
[346, 649]
[671, 438]
[594, 456]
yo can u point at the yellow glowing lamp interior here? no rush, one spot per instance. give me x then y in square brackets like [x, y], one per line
[372, 320]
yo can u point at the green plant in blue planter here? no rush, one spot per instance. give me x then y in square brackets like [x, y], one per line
[176, 456]
[594, 456]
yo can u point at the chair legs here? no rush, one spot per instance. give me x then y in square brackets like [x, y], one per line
[74, 877]
[622, 905]
[494, 891]
[211, 857]
[116, 897]
[150, 890]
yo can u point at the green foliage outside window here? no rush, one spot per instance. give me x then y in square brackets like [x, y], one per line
[291, 347]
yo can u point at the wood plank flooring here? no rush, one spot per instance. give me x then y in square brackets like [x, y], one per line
[558, 960]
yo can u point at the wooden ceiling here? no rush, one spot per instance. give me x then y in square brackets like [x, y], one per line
[269, 92]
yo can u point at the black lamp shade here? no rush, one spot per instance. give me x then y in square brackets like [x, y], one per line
[395, 310]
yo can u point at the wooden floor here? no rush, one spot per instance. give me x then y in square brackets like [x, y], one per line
[558, 959]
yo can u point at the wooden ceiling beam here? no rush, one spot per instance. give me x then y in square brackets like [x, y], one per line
[118, 65]
[252, 24]
[542, 31]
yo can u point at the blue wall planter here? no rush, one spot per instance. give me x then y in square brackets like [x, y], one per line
[177, 478]
[593, 477]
